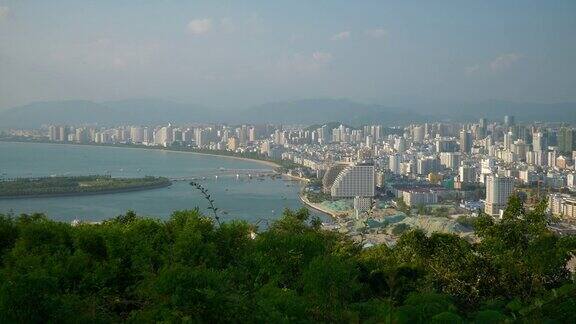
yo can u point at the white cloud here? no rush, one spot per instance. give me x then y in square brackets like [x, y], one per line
[376, 33]
[321, 57]
[341, 36]
[504, 61]
[305, 64]
[4, 12]
[498, 64]
[200, 26]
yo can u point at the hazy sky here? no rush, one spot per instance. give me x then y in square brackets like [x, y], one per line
[238, 53]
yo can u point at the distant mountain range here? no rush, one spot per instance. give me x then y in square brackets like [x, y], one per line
[132, 111]
[312, 111]
[308, 111]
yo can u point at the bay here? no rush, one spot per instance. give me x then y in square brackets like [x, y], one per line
[253, 200]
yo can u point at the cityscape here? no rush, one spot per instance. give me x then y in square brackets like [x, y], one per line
[288, 161]
[452, 169]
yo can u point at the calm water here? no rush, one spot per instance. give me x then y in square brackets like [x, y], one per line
[241, 198]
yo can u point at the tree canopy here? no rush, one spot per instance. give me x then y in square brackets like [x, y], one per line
[189, 269]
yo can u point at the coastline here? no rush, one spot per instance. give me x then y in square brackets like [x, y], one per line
[307, 203]
[89, 193]
[150, 148]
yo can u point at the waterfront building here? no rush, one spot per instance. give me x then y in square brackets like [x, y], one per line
[232, 144]
[201, 137]
[354, 180]
[136, 134]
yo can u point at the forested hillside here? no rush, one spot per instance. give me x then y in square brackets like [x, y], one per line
[188, 269]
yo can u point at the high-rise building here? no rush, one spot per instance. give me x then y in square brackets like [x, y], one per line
[539, 142]
[418, 134]
[400, 144]
[482, 123]
[232, 144]
[242, 135]
[187, 135]
[163, 136]
[427, 165]
[62, 133]
[566, 140]
[201, 137]
[444, 144]
[330, 176]
[53, 133]
[450, 160]
[508, 140]
[394, 163]
[467, 174]
[498, 190]
[136, 134]
[265, 147]
[465, 141]
[354, 181]
[369, 141]
[508, 120]
[252, 134]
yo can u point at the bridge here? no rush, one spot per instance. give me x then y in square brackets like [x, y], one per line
[239, 172]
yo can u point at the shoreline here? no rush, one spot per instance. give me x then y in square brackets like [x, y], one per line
[150, 148]
[89, 193]
[307, 203]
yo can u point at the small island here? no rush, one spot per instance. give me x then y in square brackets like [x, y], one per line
[76, 185]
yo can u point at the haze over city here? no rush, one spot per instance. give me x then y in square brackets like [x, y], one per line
[233, 55]
[171, 161]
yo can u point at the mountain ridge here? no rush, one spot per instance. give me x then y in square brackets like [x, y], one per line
[148, 111]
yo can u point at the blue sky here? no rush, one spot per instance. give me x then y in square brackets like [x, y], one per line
[240, 53]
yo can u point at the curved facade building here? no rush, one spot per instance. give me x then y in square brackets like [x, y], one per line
[354, 181]
[331, 174]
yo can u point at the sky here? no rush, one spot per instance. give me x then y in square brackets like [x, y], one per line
[234, 54]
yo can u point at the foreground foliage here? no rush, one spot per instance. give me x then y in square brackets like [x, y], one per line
[187, 269]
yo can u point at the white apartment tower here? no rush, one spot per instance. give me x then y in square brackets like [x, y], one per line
[498, 190]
